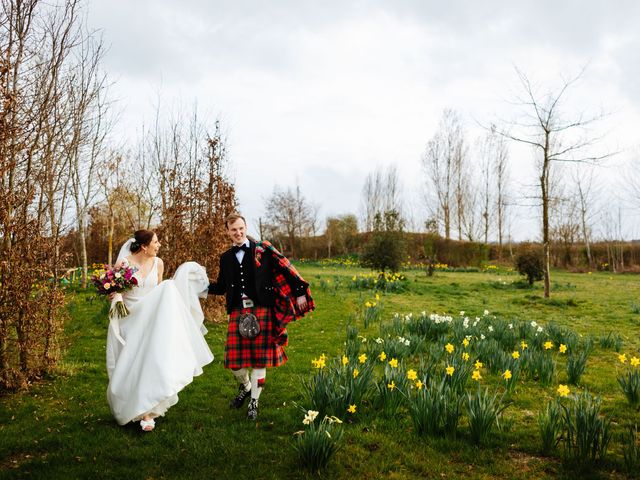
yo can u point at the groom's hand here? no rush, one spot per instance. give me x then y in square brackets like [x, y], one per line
[302, 302]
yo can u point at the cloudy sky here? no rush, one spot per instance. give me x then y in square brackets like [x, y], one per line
[322, 92]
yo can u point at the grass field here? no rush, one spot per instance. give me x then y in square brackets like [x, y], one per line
[62, 427]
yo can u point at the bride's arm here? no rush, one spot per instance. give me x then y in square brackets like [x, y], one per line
[160, 269]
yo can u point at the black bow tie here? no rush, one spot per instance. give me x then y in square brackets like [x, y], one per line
[244, 247]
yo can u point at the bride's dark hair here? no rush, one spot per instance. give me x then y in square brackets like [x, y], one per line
[141, 237]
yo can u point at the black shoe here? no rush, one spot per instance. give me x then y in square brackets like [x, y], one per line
[240, 397]
[252, 410]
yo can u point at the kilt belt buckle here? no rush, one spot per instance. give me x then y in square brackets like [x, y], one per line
[248, 326]
[247, 302]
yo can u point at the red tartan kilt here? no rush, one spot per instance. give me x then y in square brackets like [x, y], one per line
[260, 352]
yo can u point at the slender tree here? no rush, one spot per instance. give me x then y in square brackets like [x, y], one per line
[555, 137]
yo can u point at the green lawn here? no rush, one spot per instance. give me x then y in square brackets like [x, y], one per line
[62, 427]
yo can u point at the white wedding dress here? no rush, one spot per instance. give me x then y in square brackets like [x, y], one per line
[156, 350]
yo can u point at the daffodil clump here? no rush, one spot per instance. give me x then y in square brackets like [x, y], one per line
[629, 379]
[318, 441]
[372, 311]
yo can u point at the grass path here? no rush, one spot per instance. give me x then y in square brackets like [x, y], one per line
[62, 427]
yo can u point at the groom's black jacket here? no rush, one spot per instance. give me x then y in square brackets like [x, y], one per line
[258, 282]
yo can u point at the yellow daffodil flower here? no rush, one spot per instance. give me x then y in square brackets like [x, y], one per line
[419, 384]
[345, 360]
[507, 374]
[562, 348]
[622, 358]
[356, 372]
[319, 363]
[465, 356]
[478, 364]
[476, 375]
[351, 409]
[412, 374]
[516, 354]
[449, 348]
[362, 358]
[563, 390]
[393, 363]
[391, 385]
[523, 344]
[450, 370]
[465, 342]
[382, 356]
[635, 361]
[548, 345]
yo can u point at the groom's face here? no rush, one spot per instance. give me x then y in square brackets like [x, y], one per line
[237, 231]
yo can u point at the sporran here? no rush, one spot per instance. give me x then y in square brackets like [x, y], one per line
[248, 326]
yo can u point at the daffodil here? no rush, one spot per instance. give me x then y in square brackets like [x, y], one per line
[382, 356]
[319, 363]
[548, 345]
[356, 372]
[622, 358]
[635, 361]
[476, 375]
[419, 384]
[562, 348]
[478, 364]
[345, 360]
[465, 356]
[465, 342]
[523, 345]
[412, 374]
[450, 370]
[362, 358]
[351, 409]
[507, 374]
[393, 363]
[515, 354]
[563, 390]
[449, 348]
[391, 385]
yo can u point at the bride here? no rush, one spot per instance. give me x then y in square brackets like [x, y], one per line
[156, 350]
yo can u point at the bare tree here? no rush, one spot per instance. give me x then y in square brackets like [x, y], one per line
[443, 163]
[381, 193]
[583, 181]
[555, 137]
[290, 215]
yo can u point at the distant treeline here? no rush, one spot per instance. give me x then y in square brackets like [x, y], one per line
[614, 256]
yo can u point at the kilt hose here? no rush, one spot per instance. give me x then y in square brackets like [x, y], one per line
[260, 352]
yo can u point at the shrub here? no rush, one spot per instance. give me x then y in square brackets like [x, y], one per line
[385, 250]
[529, 264]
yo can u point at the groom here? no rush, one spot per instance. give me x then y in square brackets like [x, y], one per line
[257, 280]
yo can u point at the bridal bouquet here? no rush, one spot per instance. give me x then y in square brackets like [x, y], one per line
[115, 280]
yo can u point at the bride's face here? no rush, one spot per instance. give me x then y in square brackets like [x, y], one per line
[237, 231]
[153, 247]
